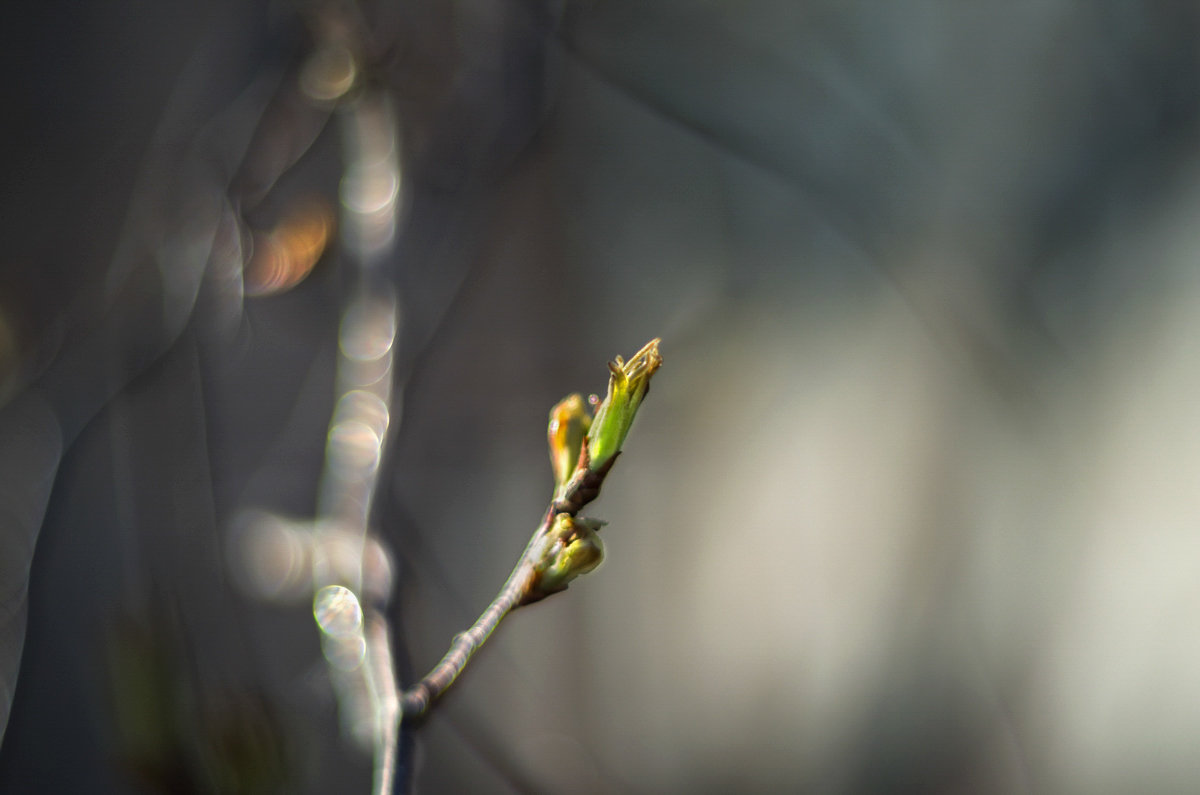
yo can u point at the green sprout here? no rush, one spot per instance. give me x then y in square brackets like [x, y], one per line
[628, 384]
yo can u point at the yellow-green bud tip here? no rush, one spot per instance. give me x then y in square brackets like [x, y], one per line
[628, 384]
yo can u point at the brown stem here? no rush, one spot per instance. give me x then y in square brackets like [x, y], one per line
[520, 588]
[417, 698]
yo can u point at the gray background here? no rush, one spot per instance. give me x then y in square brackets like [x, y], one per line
[912, 505]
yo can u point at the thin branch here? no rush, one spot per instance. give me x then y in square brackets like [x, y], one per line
[381, 680]
[563, 547]
[417, 699]
[351, 575]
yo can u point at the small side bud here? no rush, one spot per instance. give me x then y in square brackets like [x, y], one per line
[573, 548]
[569, 422]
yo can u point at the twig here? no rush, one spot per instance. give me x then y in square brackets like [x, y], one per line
[563, 546]
[416, 699]
[381, 680]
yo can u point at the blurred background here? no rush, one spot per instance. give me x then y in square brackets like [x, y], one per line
[912, 505]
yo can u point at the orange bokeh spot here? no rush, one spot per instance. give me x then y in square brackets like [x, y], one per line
[284, 256]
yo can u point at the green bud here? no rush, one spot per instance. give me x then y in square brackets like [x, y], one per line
[569, 421]
[628, 383]
[573, 548]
